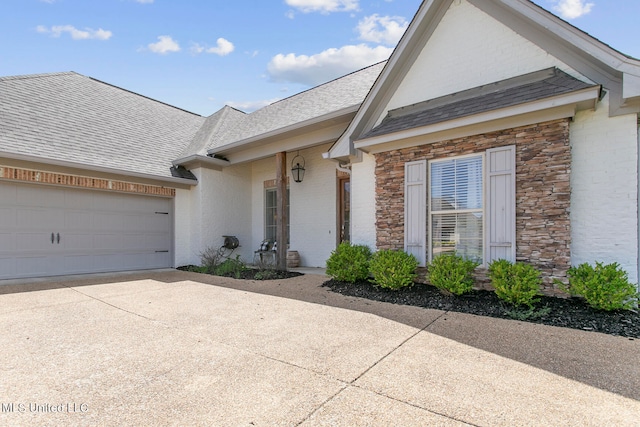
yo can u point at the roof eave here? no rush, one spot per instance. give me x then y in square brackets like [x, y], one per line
[92, 168]
[546, 109]
[284, 132]
[198, 161]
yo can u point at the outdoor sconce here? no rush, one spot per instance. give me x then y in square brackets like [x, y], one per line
[297, 170]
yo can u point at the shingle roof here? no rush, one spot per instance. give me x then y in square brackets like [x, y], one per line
[74, 118]
[338, 94]
[506, 93]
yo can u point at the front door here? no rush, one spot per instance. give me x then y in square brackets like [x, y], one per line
[344, 209]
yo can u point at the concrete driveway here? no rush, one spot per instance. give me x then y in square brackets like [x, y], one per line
[177, 348]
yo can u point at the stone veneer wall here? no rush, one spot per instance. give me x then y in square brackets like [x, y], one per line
[543, 192]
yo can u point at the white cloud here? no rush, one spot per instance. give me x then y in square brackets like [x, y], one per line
[324, 66]
[164, 45]
[382, 29]
[251, 106]
[223, 47]
[76, 34]
[571, 9]
[323, 6]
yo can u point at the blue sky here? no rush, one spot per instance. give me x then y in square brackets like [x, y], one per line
[202, 54]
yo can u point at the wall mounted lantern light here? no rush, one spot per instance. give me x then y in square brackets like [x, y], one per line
[297, 169]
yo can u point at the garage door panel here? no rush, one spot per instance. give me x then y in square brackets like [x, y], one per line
[31, 266]
[75, 264]
[33, 242]
[8, 194]
[42, 196]
[8, 216]
[112, 221]
[7, 242]
[98, 231]
[77, 241]
[157, 242]
[112, 242]
[157, 223]
[81, 220]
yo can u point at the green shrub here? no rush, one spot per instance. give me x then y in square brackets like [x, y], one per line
[393, 269]
[452, 273]
[604, 287]
[231, 267]
[518, 284]
[349, 263]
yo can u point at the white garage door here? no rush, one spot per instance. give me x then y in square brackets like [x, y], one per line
[49, 231]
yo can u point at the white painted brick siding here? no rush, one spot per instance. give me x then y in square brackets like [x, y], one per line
[469, 49]
[221, 205]
[604, 189]
[363, 202]
[312, 205]
[182, 228]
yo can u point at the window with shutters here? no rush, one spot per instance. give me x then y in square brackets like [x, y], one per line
[469, 202]
[456, 206]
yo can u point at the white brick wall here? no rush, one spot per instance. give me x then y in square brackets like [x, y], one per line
[363, 202]
[604, 189]
[219, 205]
[312, 205]
[182, 228]
[468, 49]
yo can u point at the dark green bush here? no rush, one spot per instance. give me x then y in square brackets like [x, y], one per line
[518, 284]
[349, 263]
[452, 273]
[393, 269]
[604, 287]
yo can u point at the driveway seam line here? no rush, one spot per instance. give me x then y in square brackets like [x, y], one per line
[111, 305]
[397, 347]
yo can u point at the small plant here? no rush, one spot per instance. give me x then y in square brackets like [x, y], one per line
[209, 259]
[530, 313]
[349, 263]
[517, 284]
[452, 273]
[232, 267]
[604, 287]
[393, 269]
[267, 274]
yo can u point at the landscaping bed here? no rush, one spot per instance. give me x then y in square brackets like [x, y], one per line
[246, 273]
[563, 312]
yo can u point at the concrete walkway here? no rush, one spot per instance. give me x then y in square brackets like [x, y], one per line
[177, 348]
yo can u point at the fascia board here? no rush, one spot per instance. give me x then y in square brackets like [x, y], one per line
[547, 109]
[299, 127]
[196, 161]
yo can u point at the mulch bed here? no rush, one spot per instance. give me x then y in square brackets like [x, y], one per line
[564, 312]
[250, 273]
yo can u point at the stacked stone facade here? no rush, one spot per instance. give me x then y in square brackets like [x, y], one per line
[543, 191]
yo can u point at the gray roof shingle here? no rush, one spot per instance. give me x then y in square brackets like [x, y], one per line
[338, 94]
[74, 118]
[506, 93]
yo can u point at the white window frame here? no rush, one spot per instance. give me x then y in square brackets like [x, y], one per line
[430, 211]
[265, 213]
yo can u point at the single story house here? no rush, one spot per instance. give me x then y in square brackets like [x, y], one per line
[495, 129]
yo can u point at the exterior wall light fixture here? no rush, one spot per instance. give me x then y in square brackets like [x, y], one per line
[297, 168]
